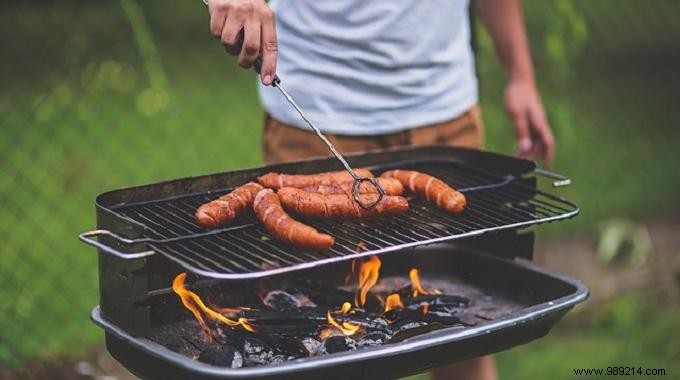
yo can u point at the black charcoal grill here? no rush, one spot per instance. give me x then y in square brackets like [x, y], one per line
[146, 236]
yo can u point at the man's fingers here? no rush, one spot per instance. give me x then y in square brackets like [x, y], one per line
[218, 15]
[231, 34]
[251, 44]
[545, 137]
[524, 145]
[269, 48]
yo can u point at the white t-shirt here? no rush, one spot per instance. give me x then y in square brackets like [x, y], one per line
[367, 67]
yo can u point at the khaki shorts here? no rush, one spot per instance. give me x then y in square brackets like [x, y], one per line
[282, 142]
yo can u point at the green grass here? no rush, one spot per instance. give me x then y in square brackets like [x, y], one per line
[80, 114]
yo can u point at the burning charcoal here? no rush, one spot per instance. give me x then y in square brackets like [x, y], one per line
[407, 325]
[446, 317]
[411, 329]
[295, 329]
[267, 316]
[281, 359]
[289, 347]
[223, 356]
[312, 346]
[339, 344]
[306, 319]
[326, 296]
[441, 300]
[256, 352]
[280, 300]
[373, 339]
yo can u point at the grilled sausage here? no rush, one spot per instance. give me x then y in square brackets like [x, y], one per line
[390, 185]
[338, 205]
[227, 207]
[276, 180]
[431, 188]
[278, 223]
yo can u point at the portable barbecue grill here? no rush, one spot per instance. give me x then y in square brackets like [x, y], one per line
[147, 235]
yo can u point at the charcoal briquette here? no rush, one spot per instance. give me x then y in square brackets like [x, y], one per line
[312, 346]
[280, 300]
[339, 344]
[407, 325]
[280, 359]
[223, 356]
[373, 339]
[256, 352]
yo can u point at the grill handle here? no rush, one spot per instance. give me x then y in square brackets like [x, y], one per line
[560, 180]
[87, 238]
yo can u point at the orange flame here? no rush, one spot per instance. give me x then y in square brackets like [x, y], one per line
[184, 295]
[416, 286]
[194, 303]
[347, 328]
[368, 276]
[393, 301]
[328, 332]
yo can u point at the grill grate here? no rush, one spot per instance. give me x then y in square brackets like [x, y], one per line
[245, 250]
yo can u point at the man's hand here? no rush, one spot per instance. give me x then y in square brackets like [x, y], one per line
[247, 30]
[534, 137]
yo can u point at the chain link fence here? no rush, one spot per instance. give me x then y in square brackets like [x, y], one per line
[101, 95]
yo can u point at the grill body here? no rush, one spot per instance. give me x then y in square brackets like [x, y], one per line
[134, 294]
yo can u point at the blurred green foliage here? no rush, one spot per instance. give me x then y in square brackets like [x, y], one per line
[101, 95]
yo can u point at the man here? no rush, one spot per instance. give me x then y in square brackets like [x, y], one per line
[379, 73]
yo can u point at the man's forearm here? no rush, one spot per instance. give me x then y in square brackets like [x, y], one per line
[505, 23]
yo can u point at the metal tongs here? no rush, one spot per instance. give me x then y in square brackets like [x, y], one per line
[276, 82]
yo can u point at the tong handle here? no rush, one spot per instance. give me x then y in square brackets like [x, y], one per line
[87, 238]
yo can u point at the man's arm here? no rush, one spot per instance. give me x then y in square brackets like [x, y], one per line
[505, 24]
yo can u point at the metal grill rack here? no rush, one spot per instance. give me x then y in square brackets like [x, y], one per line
[245, 250]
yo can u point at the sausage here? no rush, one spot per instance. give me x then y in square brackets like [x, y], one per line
[390, 185]
[338, 205]
[276, 180]
[284, 228]
[431, 188]
[227, 207]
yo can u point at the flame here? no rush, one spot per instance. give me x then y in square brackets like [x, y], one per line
[368, 276]
[416, 286]
[194, 303]
[346, 307]
[347, 328]
[424, 307]
[328, 332]
[184, 295]
[393, 301]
